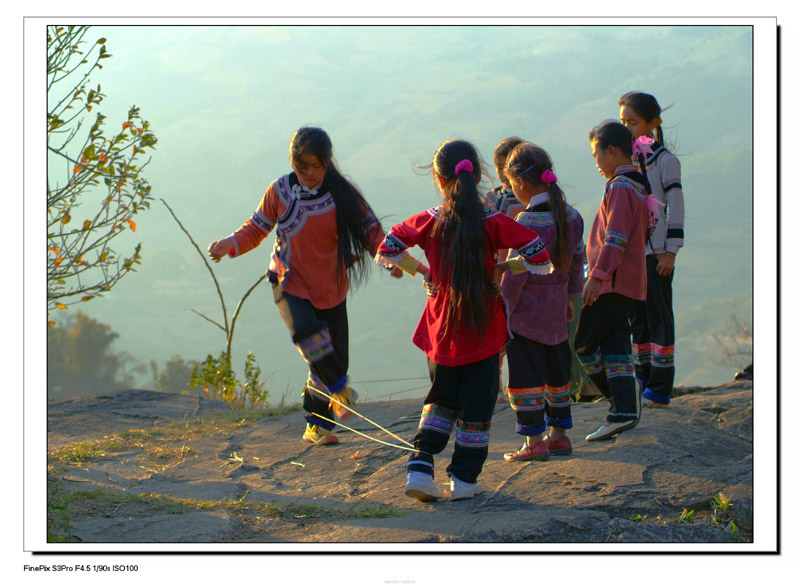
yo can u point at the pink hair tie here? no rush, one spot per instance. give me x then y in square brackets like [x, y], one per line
[464, 165]
[549, 177]
[643, 145]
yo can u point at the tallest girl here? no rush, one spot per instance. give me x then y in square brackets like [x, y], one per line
[652, 320]
[325, 231]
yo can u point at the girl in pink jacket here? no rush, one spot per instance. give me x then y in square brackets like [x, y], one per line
[615, 251]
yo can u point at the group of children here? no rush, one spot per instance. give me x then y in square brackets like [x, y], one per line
[503, 269]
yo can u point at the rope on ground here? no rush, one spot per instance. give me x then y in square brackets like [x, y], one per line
[368, 437]
[388, 432]
[389, 380]
[406, 390]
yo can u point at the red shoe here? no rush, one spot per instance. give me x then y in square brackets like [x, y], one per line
[560, 446]
[537, 452]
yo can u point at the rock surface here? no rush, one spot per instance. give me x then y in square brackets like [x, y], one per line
[630, 489]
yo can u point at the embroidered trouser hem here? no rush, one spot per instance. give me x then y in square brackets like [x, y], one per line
[321, 336]
[603, 346]
[653, 330]
[539, 384]
[461, 398]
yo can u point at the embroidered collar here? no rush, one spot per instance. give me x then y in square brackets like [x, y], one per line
[300, 191]
[625, 169]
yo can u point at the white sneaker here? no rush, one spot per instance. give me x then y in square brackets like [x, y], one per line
[420, 485]
[462, 490]
[610, 429]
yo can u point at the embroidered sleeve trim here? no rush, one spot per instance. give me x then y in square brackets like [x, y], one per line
[616, 239]
[262, 222]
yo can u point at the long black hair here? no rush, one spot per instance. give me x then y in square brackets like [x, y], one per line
[463, 243]
[527, 162]
[352, 210]
[613, 133]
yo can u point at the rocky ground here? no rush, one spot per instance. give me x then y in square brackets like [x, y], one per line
[147, 467]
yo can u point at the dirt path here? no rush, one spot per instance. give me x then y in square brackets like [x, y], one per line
[140, 466]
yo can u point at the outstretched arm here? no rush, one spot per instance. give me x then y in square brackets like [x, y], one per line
[220, 248]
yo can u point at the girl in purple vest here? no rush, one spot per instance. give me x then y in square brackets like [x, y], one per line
[539, 355]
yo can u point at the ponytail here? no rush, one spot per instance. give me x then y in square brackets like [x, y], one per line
[560, 257]
[463, 243]
[531, 163]
[641, 162]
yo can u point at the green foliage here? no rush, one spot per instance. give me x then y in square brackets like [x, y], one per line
[723, 514]
[685, 517]
[722, 506]
[94, 184]
[253, 391]
[215, 378]
[638, 518]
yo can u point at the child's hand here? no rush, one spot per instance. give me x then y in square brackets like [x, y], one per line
[591, 290]
[220, 248]
[396, 272]
[666, 264]
[430, 287]
[570, 310]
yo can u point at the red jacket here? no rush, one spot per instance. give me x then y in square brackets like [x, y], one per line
[465, 345]
[615, 248]
[306, 251]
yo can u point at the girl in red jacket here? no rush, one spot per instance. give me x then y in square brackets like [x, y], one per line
[615, 251]
[464, 325]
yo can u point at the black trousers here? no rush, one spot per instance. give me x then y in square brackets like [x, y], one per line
[321, 336]
[653, 329]
[461, 398]
[603, 346]
[538, 384]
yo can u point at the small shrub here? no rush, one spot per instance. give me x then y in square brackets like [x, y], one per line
[215, 378]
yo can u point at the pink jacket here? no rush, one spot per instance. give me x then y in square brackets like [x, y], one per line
[615, 248]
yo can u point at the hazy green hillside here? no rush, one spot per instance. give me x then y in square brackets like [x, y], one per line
[224, 102]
